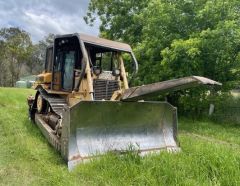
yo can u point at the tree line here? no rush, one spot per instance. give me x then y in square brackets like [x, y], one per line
[19, 56]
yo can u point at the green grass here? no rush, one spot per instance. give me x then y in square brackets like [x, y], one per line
[228, 132]
[27, 159]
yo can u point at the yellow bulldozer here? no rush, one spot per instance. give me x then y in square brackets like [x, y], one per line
[84, 106]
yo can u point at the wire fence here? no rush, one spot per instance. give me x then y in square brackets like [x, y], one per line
[227, 114]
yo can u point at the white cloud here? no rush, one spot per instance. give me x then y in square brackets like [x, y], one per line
[47, 16]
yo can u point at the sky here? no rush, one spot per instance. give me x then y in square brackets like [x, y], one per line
[40, 17]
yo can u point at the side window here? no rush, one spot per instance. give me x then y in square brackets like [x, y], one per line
[58, 61]
[49, 59]
[69, 62]
[106, 60]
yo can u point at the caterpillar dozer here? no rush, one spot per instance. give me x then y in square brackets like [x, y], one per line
[84, 106]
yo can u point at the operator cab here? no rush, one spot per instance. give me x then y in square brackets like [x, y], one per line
[72, 53]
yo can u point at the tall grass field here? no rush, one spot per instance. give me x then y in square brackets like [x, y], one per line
[210, 155]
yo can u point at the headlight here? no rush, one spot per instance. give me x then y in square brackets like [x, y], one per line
[97, 70]
[116, 72]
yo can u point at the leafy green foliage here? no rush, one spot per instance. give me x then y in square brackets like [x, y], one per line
[119, 18]
[176, 39]
[19, 56]
[17, 47]
[211, 53]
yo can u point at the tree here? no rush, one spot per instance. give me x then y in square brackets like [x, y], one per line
[37, 59]
[163, 23]
[19, 56]
[174, 39]
[17, 44]
[119, 19]
[214, 53]
[3, 66]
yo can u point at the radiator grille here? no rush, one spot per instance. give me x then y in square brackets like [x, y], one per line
[103, 89]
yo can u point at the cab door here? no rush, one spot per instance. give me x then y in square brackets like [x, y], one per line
[68, 70]
[57, 71]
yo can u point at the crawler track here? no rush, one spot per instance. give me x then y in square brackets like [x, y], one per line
[56, 102]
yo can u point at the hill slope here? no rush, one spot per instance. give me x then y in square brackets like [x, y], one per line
[210, 155]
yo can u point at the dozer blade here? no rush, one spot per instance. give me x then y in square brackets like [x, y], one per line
[137, 93]
[92, 128]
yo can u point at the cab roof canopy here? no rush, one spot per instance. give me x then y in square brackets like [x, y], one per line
[96, 41]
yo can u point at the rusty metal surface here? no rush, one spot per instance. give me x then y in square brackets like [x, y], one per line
[205, 81]
[139, 92]
[48, 132]
[92, 128]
